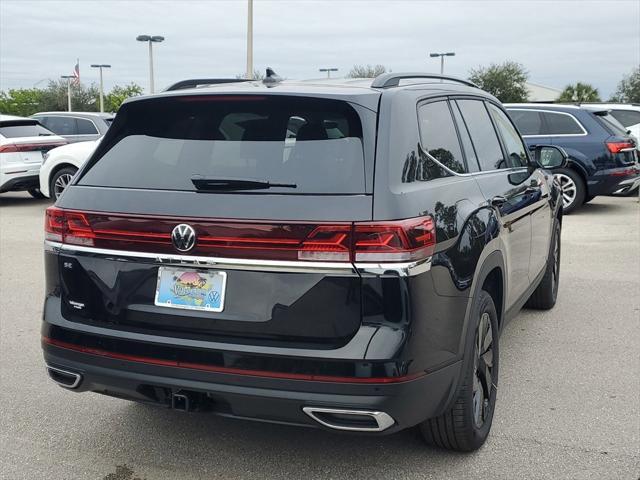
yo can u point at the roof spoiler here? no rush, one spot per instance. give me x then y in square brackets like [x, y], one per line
[197, 82]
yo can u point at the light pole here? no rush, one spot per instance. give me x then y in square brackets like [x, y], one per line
[249, 39]
[328, 70]
[151, 39]
[442, 55]
[68, 77]
[101, 66]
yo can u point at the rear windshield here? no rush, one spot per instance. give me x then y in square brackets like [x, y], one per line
[26, 129]
[314, 144]
[611, 123]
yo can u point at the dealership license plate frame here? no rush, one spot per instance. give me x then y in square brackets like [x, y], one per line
[169, 274]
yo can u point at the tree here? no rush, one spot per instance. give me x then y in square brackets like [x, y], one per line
[119, 94]
[628, 90]
[21, 102]
[366, 71]
[505, 81]
[580, 92]
[83, 98]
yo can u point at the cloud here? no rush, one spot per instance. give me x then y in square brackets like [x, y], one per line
[558, 42]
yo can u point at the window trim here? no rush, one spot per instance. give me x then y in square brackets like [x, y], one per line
[503, 143]
[449, 98]
[552, 135]
[420, 103]
[75, 117]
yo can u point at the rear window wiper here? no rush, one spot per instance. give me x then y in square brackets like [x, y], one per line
[221, 184]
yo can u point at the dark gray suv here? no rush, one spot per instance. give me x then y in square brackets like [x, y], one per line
[337, 255]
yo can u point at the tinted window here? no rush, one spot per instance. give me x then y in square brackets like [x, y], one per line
[313, 143]
[626, 117]
[529, 122]
[438, 135]
[26, 129]
[561, 124]
[61, 125]
[516, 151]
[610, 122]
[483, 135]
[86, 127]
[469, 151]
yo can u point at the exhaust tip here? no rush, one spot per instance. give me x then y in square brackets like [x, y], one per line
[64, 378]
[350, 420]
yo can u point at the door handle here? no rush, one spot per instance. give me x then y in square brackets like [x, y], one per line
[498, 201]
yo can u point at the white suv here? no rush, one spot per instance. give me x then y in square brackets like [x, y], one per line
[628, 114]
[23, 142]
[61, 164]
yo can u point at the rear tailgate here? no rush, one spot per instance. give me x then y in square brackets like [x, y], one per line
[137, 188]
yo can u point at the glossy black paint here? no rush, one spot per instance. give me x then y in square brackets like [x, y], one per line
[588, 153]
[491, 225]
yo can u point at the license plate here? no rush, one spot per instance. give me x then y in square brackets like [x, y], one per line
[191, 289]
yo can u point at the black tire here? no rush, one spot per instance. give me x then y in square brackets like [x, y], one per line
[61, 176]
[578, 192]
[545, 295]
[588, 199]
[36, 193]
[458, 429]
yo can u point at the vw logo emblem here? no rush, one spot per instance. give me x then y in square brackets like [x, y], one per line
[183, 237]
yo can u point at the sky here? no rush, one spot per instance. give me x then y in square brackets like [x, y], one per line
[559, 42]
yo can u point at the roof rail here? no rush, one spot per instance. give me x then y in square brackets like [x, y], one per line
[387, 80]
[195, 82]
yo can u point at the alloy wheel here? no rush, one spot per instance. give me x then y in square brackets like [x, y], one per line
[483, 368]
[61, 183]
[568, 188]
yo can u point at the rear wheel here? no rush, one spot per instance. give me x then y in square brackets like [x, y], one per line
[572, 188]
[545, 295]
[466, 425]
[60, 180]
[35, 193]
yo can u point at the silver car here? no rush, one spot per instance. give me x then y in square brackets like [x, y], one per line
[76, 126]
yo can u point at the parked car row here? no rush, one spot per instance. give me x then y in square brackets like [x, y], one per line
[40, 154]
[603, 155]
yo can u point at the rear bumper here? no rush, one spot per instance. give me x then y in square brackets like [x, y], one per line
[265, 399]
[20, 181]
[614, 181]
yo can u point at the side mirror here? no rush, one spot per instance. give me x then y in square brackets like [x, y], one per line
[549, 156]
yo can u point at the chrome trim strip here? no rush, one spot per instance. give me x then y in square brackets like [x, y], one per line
[383, 420]
[573, 117]
[408, 269]
[77, 377]
[400, 269]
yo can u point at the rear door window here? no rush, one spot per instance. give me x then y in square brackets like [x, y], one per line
[86, 127]
[315, 144]
[516, 151]
[61, 125]
[438, 135]
[562, 124]
[483, 135]
[529, 122]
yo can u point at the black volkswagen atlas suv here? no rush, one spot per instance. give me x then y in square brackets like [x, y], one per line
[340, 255]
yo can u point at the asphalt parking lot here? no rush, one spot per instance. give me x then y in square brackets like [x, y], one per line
[568, 398]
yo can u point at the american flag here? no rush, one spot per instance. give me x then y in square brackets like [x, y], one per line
[76, 73]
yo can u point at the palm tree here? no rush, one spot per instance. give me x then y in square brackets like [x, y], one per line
[580, 92]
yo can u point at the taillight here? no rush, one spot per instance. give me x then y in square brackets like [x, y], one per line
[402, 240]
[617, 147]
[394, 241]
[29, 147]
